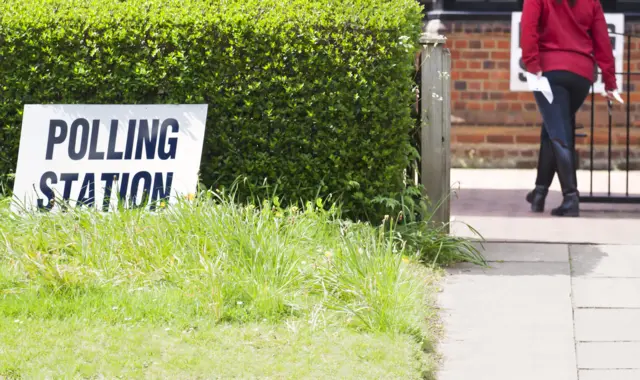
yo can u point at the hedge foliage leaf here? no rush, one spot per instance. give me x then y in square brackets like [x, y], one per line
[313, 96]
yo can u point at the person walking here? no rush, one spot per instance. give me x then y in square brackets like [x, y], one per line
[563, 40]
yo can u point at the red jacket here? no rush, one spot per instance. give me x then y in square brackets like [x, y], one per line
[560, 37]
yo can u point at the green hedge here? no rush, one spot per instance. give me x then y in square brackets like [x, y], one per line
[311, 95]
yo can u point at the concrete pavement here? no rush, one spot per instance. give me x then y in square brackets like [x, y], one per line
[606, 302]
[561, 298]
[510, 321]
[543, 311]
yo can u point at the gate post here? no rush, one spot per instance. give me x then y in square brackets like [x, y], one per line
[436, 125]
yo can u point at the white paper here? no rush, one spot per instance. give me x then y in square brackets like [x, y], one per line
[616, 96]
[540, 84]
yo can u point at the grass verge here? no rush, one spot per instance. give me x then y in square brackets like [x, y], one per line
[210, 289]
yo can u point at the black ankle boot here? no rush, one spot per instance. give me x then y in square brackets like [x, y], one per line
[537, 198]
[565, 165]
[570, 206]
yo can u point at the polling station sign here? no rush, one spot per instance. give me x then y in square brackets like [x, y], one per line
[106, 156]
[518, 81]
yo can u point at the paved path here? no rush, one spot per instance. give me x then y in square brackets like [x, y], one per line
[492, 201]
[544, 311]
[554, 309]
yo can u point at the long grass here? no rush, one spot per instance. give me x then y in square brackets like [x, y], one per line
[210, 257]
[213, 262]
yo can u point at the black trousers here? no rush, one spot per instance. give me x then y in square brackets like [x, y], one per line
[569, 93]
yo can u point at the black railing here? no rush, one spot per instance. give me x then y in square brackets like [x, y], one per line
[611, 197]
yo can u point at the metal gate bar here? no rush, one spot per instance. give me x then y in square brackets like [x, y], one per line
[628, 105]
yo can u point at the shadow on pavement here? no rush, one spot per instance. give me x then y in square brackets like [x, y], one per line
[534, 259]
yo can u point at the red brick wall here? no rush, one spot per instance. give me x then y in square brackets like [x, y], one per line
[494, 127]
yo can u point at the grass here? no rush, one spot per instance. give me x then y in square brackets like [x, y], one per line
[210, 289]
[85, 349]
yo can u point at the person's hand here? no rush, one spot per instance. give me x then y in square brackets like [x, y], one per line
[539, 74]
[608, 94]
[612, 95]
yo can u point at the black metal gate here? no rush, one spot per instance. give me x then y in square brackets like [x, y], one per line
[613, 194]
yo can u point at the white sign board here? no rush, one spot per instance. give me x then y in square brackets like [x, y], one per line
[518, 82]
[104, 156]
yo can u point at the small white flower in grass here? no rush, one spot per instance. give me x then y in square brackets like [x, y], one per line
[114, 308]
[240, 303]
[167, 329]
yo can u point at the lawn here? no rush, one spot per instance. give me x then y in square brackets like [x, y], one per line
[212, 289]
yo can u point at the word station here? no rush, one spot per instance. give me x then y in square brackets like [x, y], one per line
[145, 140]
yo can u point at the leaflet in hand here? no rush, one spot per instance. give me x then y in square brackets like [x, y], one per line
[540, 84]
[616, 96]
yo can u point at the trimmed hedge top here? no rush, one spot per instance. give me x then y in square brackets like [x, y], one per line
[311, 95]
[370, 14]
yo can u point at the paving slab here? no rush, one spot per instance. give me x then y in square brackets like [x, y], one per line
[605, 260]
[608, 374]
[606, 293]
[524, 252]
[607, 325]
[469, 362]
[600, 355]
[510, 321]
